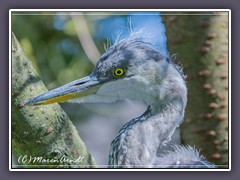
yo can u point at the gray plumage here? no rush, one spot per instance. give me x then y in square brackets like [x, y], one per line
[149, 76]
[163, 89]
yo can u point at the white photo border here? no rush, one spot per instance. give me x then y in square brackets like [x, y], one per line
[67, 11]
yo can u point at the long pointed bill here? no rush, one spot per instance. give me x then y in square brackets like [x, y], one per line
[78, 88]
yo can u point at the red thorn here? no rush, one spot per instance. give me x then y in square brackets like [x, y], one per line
[207, 86]
[212, 133]
[213, 105]
[212, 35]
[215, 156]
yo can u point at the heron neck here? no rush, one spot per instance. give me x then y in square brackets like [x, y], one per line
[139, 139]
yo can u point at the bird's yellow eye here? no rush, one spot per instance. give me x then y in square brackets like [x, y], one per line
[119, 72]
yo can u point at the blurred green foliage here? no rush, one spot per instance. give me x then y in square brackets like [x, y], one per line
[51, 43]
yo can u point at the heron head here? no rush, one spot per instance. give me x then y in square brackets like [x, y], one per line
[130, 69]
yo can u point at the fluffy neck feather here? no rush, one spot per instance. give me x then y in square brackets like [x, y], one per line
[137, 143]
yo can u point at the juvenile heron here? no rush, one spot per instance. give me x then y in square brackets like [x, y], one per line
[134, 69]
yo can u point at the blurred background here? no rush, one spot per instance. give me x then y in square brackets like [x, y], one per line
[65, 46]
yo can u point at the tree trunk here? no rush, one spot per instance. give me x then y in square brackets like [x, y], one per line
[201, 44]
[42, 136]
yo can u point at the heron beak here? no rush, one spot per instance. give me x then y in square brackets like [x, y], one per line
[78, 88]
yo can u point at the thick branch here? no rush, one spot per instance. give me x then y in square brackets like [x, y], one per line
[41, 131]
[201, 44]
